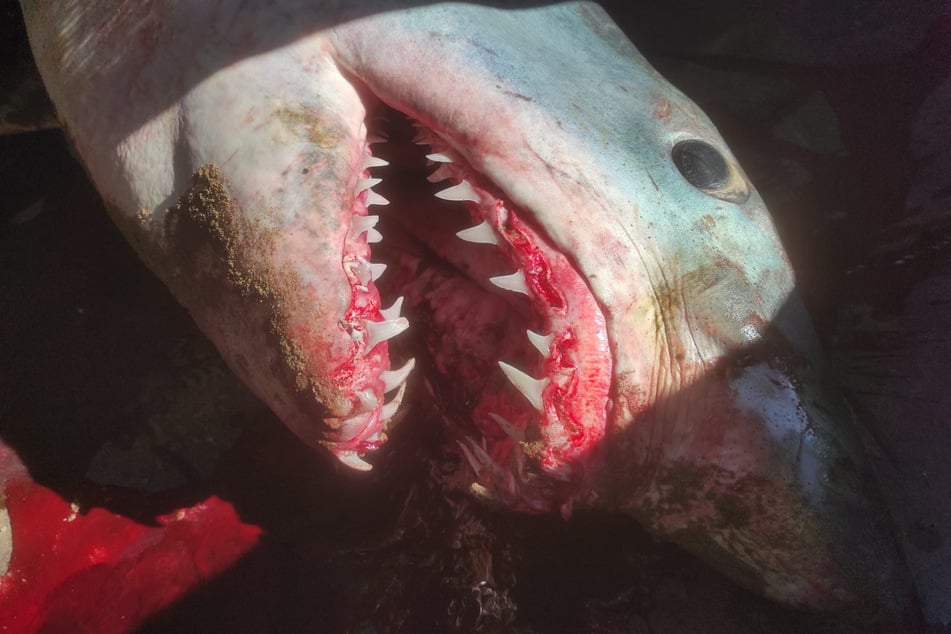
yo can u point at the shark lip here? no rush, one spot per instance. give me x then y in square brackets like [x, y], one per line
[513, 335]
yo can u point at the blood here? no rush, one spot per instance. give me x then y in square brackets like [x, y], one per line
[532, 261]
[100, 572]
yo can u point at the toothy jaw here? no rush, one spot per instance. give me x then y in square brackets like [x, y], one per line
[512, 330]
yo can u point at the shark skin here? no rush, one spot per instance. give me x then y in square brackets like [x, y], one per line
[669, 370]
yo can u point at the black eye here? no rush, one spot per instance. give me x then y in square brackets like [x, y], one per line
[701, 164]
[705, 168]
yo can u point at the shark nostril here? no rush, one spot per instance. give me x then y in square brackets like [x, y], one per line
[704, 167]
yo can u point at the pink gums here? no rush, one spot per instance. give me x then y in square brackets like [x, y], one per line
[360, 372]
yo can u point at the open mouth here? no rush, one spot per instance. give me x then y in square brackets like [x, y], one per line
[508, 336]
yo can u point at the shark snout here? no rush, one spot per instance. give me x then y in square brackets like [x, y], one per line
[753, 456]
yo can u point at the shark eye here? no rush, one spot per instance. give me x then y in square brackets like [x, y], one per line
[705, 168]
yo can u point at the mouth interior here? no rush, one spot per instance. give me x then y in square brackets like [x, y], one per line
[510, 339]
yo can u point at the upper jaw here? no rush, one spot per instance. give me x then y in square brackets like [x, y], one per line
[537, 420]
[717, 430]
[599, 190]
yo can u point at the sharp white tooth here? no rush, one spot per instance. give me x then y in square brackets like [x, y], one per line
[376, 270]
[367, 183]
[374, 236]
[354, 461]
[531, 388]
[393, 312]
[461, 192]
[363, 223]
[514, 282]
[510, 430]
[374, 161]
[392, 379]
[480, 234]
[366, 271]
[439, 157]
[542, 343]
[368, 400]
[440, 174]
[389, 410]
[351, 428]
[374, 198]
[379, 437]
[378, 331]
[422, 136]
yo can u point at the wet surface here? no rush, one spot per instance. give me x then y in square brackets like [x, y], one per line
[114, 402]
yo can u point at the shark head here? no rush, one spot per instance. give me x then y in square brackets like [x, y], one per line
[600, 301]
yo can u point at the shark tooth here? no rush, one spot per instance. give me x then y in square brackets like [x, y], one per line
[374, 198]
[482, 233]
[374, 236]
[389, 410]
[392, 379]
[393, 312]
[379, 331]
[530, 387]
[367, 183]
[510, 430]
[424, 136]
[361, 224]
[470, 457]
[368, 400]
[477, 456]
[461, 192]
[542, 343]
[440, 174]
[514, 282]
[366, 271]
[353, 460]
[374, 161]
[378, 437]
[351, 427]
[439, 157]
[376, 270]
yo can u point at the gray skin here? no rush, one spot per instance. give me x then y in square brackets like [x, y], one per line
[228, 140]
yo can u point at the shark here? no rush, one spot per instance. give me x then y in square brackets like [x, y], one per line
[502, 209]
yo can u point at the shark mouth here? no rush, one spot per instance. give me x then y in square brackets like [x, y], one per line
[511, 342]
